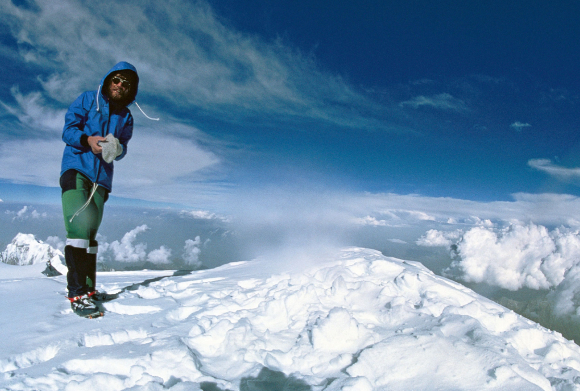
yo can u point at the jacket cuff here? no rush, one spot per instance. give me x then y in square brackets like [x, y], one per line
[85, 141]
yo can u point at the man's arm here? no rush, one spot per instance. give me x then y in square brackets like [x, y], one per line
[74, 124]
[125, 136]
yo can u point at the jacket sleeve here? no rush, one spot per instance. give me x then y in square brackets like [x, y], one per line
[125, 136]
[74, 122]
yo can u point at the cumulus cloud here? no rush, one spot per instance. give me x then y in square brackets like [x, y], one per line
[56, 242]
[191, 252]
[25, 213]
[443, 101]
[160, 256]
[435, 238]
[512, 257]
[559, 172]
[523, 256]
[129, 250]
[566, 296]
[125, 250]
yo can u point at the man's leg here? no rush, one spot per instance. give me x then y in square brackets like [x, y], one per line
[81, 230]
[75, 259]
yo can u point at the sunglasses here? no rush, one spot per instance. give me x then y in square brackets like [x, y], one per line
[124, 83]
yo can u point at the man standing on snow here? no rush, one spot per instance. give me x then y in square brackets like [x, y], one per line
[98, 126]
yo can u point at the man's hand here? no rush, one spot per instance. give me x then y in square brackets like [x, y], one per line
[94, 144]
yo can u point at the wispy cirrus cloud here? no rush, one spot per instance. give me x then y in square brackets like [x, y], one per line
[184, 54]
[32, 111]
[519, 126]
[562, 173]
[444, 101]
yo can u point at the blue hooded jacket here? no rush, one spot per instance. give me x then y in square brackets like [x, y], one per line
[91, 115]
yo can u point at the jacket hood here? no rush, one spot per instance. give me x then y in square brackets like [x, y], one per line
[123, 66]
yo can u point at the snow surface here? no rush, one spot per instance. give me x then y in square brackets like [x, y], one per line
[350, 320]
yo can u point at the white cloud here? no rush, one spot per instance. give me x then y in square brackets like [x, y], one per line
[25, 213]
[566, 296]
[562, 173]
[443, 101]
[160, 256]
[124, 250]
[22, 211]
[128, 250]
[31, 161]
[547, 209]
[33, 112]
[519, 126]
[56, 242]
[517, 256]
[191, 252]
[204, 215]
[372, 221]
[158, 166]
[393, 218]
[435, 238]
[158, 158]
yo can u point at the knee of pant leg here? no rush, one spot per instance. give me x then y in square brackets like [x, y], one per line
[78, 243]
[84, 224]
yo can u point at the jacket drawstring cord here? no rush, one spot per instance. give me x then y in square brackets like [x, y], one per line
[139, 107]
[82, 208]
[98, 92]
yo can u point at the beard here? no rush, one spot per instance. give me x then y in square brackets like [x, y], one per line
[118, 95]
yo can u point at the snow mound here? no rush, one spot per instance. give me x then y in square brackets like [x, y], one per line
[356, 320]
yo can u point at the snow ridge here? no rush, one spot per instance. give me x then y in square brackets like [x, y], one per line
[355, 320]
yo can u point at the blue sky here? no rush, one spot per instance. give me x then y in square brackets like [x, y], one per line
[438, 99]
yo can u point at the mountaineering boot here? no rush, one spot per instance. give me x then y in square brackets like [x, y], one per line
[84, 307]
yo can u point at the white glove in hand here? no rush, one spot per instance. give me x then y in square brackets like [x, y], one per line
[111, 148]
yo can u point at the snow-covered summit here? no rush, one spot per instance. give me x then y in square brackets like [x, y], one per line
[25, 249]
[351, 320]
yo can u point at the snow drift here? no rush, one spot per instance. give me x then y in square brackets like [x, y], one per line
[352, 320]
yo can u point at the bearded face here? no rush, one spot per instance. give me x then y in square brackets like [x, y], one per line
[119, 88]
